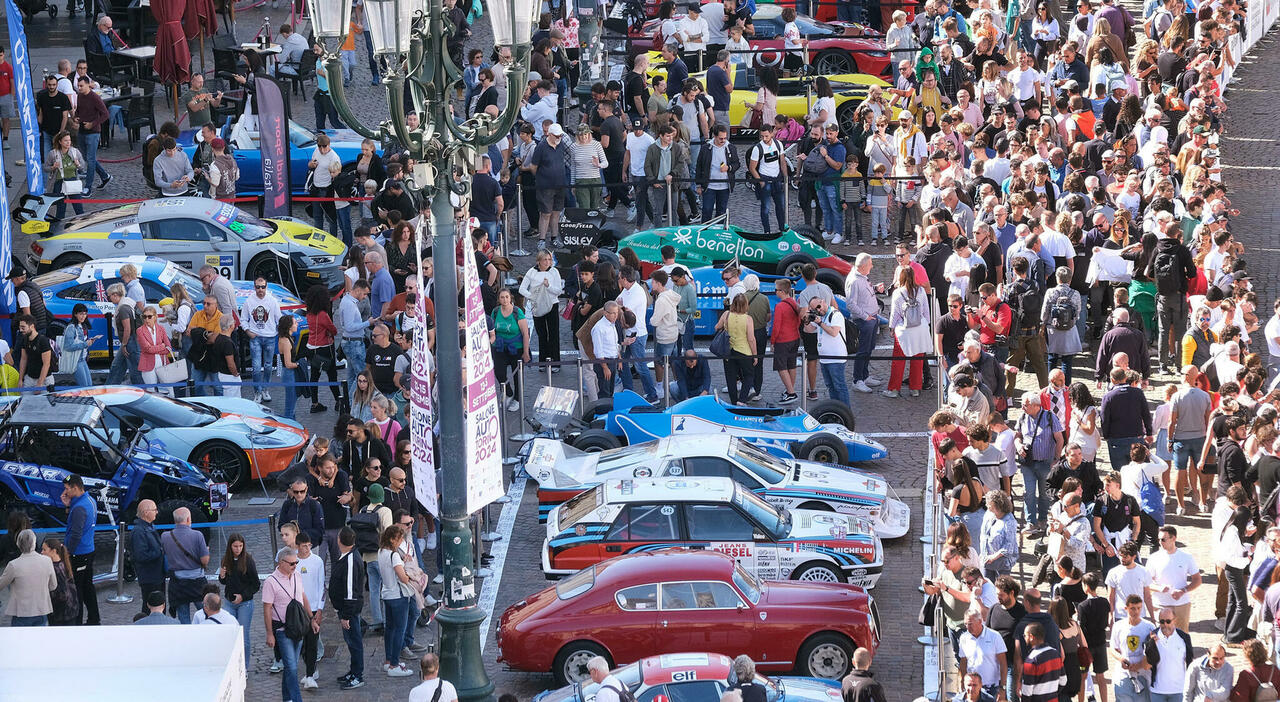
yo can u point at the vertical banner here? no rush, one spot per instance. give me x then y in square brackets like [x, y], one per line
[25, 98]
[484, 452]
[421, 418]
[273, 140]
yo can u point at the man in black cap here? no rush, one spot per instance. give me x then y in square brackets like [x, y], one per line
[29, 299]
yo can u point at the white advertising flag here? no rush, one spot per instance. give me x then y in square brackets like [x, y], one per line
[484, 452]
[421, 418]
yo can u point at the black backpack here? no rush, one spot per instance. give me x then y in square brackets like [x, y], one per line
[365, 525]
[1025, 299]
[624, 693]
[1167, 271]
[1062, 314]
[297, 621]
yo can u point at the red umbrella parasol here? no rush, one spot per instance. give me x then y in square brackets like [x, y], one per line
[173, 56]
[200, 18]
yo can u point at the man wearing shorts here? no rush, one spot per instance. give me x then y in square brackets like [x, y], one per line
[809, 332]
[785, 337]
[551, 178]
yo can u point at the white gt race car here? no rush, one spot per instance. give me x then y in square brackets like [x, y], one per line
[562, 472]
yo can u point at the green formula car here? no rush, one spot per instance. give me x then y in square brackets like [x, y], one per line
[716, 243]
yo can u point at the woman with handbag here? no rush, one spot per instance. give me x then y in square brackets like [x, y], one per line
[75, 346]
[286, 328]
[153, 342]
[395, 594]
[764, 109]
[541, 288]
[64, 163]
[321, 332]
[1072, 642]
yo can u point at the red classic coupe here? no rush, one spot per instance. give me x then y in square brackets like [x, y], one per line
[678, 601]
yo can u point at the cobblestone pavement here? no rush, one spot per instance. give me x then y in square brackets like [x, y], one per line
[1250, 153]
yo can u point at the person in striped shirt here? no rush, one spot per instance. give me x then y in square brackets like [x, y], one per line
[1042, 672]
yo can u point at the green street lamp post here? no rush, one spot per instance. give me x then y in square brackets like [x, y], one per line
[411, 35]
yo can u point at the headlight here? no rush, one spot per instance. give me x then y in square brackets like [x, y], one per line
[876, 54]
[321, 260]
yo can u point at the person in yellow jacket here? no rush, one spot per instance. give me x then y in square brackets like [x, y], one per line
[208, 317]
[1198, 339]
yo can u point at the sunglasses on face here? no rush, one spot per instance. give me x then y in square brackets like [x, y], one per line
[289, 563]
[260, 287]
[297, 492]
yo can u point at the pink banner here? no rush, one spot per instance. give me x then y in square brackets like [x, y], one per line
[421, 418]
[483, 430]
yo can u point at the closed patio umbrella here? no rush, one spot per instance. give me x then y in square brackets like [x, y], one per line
[173, 56]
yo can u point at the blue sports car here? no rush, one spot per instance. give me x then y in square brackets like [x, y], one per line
[88, 282]
[823, 434]
[242, 139]
[227, 439]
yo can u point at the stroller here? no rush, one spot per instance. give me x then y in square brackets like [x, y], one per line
[31, 8]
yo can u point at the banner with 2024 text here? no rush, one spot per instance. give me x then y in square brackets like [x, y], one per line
[483, 432]
[421, 417]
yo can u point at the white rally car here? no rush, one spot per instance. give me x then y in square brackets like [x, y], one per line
[562, 471]
[636, 515]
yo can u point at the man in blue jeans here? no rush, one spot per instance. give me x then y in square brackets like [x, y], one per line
[767, 167]
[828, 187]
[126, 326]
[864, 311]
[351, 330]
[831, 347]
[260, 316]
[1038, 439]
[636, 342]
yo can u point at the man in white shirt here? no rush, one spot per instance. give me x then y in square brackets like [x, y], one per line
[535, 113]
[609, 686]
[259, 317]
[1174, 575]
[1027, 81]
[832, 351]
[431, 681]
[1128, 649]
[636, 343]
[604, 343]
[693, 34]
[638, 142]
[1174, 647]
[958, 266]
[211, 612]
[325, 165]
[292, 46]
[982, 651]
[310, 571]
[1128, 578]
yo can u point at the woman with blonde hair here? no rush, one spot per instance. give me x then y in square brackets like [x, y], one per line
[909, 320]
[742, 347]
[154, 344]
[1102, 37]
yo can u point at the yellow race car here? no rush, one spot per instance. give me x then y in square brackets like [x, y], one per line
[795, 95]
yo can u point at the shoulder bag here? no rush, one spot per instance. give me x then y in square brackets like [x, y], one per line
[172, 371]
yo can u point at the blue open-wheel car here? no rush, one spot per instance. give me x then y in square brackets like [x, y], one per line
[824, 433]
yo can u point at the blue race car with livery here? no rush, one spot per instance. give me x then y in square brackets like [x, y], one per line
[45, 438]
[87, 283]
[825, 433]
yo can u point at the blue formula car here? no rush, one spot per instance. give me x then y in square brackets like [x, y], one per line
[87, 283]
[45, 438]
[823, 434]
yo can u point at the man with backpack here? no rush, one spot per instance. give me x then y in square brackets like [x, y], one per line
[285, 611]
[609, 689]
[1171, 268]
[1061, 310]
[368, 523]
[1026, 343]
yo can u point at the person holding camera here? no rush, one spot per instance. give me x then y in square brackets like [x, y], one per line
[831, 346]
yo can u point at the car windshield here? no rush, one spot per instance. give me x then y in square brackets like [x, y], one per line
[250, 228]
[777, 521]
[579, 506]
[747, 584]
[576, 584]
[810, 27]
[626, 457]
[160, 411]
[300, 135]
[767, 468]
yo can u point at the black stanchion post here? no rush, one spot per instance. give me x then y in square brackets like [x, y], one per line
[120, 597]
[275, 535]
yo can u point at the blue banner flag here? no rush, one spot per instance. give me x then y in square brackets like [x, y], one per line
[26, 99]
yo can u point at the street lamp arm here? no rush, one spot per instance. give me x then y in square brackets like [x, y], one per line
[333, 69]
[412, 140]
